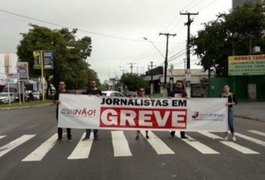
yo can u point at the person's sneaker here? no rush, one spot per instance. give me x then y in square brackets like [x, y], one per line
[85, 138]
[184, 137]
[59, 140]
[226, 138]
[95, 137]
[147, 137]
[69, 140]
[234, 138]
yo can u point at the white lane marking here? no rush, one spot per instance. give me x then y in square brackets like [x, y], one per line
[1, 137]
[198, 145]
[42, 150]
[239, 148]
[159, 146]
[257, 141]
[120, 145]
[13, 144]
[230, 144]
[210, 135]
[82, 149]
[257, 132]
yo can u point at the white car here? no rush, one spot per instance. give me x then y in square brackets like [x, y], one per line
[5, 98]
[113, 93]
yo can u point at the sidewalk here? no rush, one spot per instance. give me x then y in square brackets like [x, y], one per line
[250, 110]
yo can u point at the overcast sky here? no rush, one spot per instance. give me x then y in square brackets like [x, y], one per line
[117, 28]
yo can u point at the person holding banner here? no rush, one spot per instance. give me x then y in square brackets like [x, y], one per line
[231, 102]
[178, 92]
[141, 94]
[93, 90]
[62, 89]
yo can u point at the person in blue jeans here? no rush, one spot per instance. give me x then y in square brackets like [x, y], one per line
[230, 103]
[92, 90]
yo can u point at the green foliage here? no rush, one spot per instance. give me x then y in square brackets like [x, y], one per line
[133, 81]
[235, 33]
[70, 55]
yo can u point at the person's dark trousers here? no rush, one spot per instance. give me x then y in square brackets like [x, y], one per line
[88, 131]
[60, 133]
[172, 133]
[95, 133]
[69, 135]
[182, 134]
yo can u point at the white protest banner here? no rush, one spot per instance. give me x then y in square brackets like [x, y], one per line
[84, 111]
[207, 114]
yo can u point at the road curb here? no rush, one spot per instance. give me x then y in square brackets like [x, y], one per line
[26, 107]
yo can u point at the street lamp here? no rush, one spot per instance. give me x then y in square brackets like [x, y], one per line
[145, 38]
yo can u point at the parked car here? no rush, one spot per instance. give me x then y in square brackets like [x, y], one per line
[12, 90]
[113, 93]
[6, 97]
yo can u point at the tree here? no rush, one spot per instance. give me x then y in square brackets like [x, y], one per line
[70, 55]
[234, 33]
[133, 81]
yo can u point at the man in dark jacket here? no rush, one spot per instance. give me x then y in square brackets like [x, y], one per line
[178, 92]
[92, 90]
[62, 89]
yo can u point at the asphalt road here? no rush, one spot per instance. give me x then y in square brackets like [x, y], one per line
[28, 151]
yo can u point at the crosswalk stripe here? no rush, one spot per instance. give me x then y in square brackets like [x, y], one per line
[83, 148]
[209, 135]
[257, 141]
[42, 150]
[257, 132]
[13, 144]
[230, 144]
[159, 146]
[198, 145]
[239, 148]
[1, 137]
[120, 145]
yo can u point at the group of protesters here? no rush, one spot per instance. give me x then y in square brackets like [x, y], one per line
[177, 92]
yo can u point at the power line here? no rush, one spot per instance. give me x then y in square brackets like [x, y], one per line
[69, 27]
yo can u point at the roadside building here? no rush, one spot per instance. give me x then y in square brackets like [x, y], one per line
[198, 80]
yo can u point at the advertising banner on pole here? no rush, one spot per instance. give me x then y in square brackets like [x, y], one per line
[178, 114]
[48, 59]
[43, 55]
[37, 59]
[23, 70]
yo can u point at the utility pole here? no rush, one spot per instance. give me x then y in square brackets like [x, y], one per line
[131, 66]
[187, 71]
[151, 74]
[165, 70]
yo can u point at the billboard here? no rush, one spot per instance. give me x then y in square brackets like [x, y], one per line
[23, 70]
[43, 55]
[246, 65]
